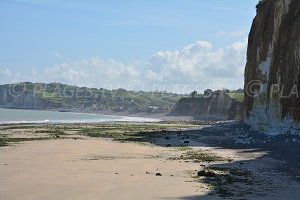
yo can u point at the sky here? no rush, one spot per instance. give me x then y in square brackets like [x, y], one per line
[173, 45]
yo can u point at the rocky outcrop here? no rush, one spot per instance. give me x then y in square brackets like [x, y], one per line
[18, 97]
[272, 74]
[215, 106]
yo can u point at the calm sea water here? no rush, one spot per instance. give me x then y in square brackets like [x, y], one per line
[32, 116]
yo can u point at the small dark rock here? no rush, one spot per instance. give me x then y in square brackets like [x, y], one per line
[158, 174]
[147, 172]
[167, 138]
[206, 173]
[168, 145]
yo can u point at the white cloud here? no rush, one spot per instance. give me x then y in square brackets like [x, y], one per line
[91, 72]
[200, 64]
[197, 66]
[8, 76]
[5, 72]
[59, 56]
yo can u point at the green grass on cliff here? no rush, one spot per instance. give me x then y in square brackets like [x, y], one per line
[56, 95]
[236, 96]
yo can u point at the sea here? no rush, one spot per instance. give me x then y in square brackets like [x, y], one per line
[16, 116]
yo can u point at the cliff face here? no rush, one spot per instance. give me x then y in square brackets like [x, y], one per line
[216, 106]
[14, 98]
[272, 74]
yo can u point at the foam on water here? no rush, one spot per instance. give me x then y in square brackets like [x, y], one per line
[14, 116]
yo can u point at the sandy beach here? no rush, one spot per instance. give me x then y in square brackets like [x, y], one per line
[158, 165]
[92, 169]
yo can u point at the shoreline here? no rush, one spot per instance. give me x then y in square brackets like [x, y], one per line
[127, 117]
[137, 159]
[220, 149]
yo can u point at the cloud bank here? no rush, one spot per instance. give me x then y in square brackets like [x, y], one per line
[196, 66]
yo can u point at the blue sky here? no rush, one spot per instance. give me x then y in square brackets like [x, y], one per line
[39, 36]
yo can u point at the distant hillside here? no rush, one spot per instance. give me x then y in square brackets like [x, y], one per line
[71, 98]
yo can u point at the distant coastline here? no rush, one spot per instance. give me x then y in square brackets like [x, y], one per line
[33, 116]
[157, 115]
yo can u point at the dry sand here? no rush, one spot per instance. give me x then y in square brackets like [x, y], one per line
[92, 169]
[88, 169]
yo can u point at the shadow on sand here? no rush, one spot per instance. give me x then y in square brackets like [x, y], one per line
[237, 180]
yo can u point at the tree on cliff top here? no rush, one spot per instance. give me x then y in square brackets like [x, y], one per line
[193, 94]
